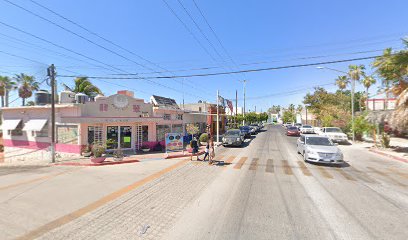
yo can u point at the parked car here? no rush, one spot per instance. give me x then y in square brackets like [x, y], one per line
[298, 125]
[256, 126]
[233, 137]
[334, 133]
[292, 131]
[246, 131]
[316, 148]
[252, 130]
[307, 129]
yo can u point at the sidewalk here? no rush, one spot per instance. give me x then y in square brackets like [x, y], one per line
[398, 149]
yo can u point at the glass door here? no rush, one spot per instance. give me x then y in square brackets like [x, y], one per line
[125, 137]
[112, 137]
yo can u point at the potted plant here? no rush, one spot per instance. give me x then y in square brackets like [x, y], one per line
[145, 148]
[87, 151]
[98, 150]
[118, 154]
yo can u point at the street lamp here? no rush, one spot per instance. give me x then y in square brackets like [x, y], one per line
[353, 86]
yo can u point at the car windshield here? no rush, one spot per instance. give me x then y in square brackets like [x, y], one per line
[307, 126]
[322, 141]
[232, 133]
[333, 130]
[292, 128]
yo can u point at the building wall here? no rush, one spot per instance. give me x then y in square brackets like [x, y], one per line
[381, 104]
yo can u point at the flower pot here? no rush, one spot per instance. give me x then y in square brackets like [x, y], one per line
[203, 143]
[118, 159]
[98, 159]
[87, 154]
[145, 149]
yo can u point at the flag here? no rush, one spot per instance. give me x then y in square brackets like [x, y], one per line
[231, 107]
[221, 101]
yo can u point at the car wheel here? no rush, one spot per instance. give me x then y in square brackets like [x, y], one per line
[304, 157]
[297, 149]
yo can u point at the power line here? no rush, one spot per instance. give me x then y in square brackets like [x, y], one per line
[246, 71]
[89, 31]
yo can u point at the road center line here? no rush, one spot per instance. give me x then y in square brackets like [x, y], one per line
[304, 169]
[286, 168]
[254, 164]
[82, 211]
[269, 166]
[240, 163]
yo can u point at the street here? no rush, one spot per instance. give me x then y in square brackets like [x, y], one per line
[264, 190]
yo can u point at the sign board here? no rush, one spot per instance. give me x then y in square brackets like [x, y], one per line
[174, 142]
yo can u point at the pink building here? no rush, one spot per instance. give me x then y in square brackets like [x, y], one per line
[128, 121]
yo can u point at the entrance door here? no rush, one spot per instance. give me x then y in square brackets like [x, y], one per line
[112, 137]
[125, 137]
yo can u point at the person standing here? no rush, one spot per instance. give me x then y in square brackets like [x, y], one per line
[211, 151]
[207, 152]
[194, 146]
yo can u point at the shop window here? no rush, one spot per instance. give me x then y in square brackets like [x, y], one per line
[94, 134]
[161, 131]
[67, 134]
[167, 117]
[179, 117]
[103, 107]
[18, 131]
[177, 128]
[145, 133]
[43, 132]
[199, 109]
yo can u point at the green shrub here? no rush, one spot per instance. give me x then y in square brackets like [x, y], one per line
[385, 140]
[204, 137]
[98, 150]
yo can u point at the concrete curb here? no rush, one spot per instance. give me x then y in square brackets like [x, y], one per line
[184, 155]
[401, 159]
[96, 164]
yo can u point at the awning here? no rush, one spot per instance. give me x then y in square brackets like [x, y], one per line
[10, 124]
[35, 125]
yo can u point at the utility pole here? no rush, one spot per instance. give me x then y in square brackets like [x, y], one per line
[218, 116]
[51, 74]
[353, 86]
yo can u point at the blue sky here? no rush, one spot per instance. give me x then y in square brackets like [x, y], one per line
[256, 34]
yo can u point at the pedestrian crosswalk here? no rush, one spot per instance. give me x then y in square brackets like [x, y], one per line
[288, 168]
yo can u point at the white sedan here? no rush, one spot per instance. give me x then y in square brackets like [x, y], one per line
[334, 133]
[307, 129]
[315, 148]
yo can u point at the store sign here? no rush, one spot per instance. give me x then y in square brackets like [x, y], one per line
[174, 142]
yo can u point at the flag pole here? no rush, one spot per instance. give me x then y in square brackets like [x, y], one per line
[218, 117]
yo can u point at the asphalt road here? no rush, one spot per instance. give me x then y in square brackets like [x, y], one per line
[275, 195]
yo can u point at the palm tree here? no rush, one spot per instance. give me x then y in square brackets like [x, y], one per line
[83, 85]
[6, 85]
[342, 82]
[299, 108]
[27, 85]
[356, 72]
[367, 82]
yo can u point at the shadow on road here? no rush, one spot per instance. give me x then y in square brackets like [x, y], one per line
[343, 165]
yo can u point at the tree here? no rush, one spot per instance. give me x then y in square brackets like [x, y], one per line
[342, 82]
[274, 109]
[26, 86]
[6, 85]
[299, 108]
[83, 85]
[356, 72]
[367, 82]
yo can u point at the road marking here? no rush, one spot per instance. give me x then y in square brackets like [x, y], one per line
[386, 176]
[269, 165]
[254, 164]
[286, 168]
[38, 179]
[218, 158]
[240, 163]
[324, 172]
[108, 198]
[344, 174]
[304, 169]
[363, 175]
[230, 159]
[404, 175]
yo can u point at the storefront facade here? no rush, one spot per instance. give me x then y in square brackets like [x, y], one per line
[119, 120]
